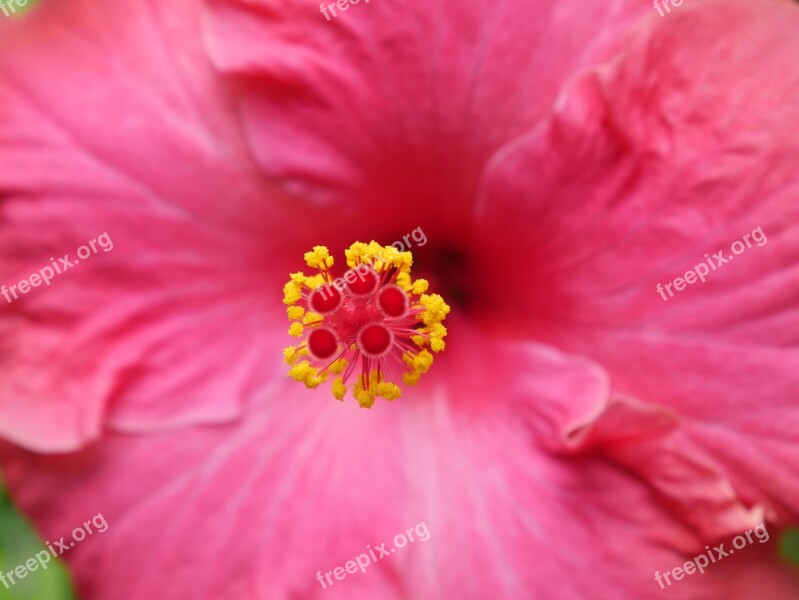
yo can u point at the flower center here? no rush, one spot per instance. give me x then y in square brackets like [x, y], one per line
[374, 317]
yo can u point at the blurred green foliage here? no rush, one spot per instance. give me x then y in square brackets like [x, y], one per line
[18, 543]
[18, 12]
[789, 546]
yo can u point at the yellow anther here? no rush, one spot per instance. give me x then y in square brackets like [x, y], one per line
[355, 254]
[337, 368]
[314, 380]
[312, 317]
[388, 254]
[389, 391]
[411, 378]
[339, 389]
[422, 362]
[296, 329]
[403, 261]
[374, 249]
[419, 340]
[385, 389]
[292, 292]
[304, 372]
[365, 398]
[437, 334]
[295, 312]
[404, 282]
[300, 371]
[437, 309]
[319, 258]
[291, 354]
[420, 286]
[315, 281]
[298, 277]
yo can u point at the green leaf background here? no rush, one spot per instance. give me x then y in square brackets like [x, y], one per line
[18, 543]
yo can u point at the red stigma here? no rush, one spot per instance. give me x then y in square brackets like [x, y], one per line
[393, 301]
[374, 340]
[322, 343]
[325, 299]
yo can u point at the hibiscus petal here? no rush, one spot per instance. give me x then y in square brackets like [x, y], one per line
[139, 141]
[245, 510]
[397, 104]
[673, 151]
[648, 440]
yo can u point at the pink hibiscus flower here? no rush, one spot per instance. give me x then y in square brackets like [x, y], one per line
[577, 436]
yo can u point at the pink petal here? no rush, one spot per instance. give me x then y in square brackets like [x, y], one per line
[648, 440]
[400, 104]
[141, 141]
[677, 149]
[304, 484]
